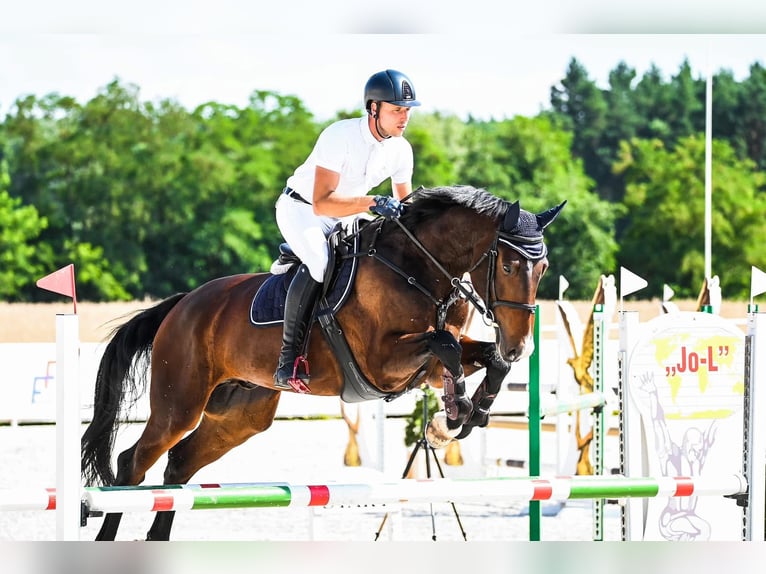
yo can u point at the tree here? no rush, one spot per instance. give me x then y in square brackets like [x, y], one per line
[687, 98]
[20, 226]
[726, 111]
[654, 103]
[582, 106]
[530, 159]
[65, 162]
[437, 143]
[752, 117]
[165, 199]
[664, 239]
[621, 123]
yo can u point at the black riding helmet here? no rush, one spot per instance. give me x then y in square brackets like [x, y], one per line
[389, 86]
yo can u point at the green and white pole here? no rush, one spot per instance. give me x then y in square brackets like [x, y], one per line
[411, 491]
[535, 427]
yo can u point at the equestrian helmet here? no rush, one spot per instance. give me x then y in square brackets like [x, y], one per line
[392, 87]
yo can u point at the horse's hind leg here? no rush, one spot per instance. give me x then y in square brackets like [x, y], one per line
[133, 463]
[234, 414]
[111, 523]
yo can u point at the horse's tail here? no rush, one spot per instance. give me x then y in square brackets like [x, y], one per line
[118, 375]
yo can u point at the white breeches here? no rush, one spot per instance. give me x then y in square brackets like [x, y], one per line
[306, 233]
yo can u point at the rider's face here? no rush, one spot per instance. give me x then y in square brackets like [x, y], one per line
[392, 120]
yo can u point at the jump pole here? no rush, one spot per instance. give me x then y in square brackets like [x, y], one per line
[283, 494]
[412, 491]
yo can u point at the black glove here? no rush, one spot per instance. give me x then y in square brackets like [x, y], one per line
[388, 207]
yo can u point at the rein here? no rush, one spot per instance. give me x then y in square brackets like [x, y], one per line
[460, 287]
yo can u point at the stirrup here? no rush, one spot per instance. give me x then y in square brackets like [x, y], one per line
[295, 382]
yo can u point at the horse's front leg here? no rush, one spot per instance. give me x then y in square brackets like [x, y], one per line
[457, 405]
[486, 355]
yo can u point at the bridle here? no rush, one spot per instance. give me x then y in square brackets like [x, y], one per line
[517, 244]
[462, 288]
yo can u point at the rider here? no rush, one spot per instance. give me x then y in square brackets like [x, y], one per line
[349, 159]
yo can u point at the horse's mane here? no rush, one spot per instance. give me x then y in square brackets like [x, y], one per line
[427, 203]
[519, 229]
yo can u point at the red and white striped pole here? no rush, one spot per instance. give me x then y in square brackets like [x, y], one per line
[283, 494]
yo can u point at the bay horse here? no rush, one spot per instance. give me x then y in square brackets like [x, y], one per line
[211, 368]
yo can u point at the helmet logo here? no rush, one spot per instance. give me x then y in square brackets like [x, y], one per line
[406, 91]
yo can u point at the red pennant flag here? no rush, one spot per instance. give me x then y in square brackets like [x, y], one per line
[61, 282]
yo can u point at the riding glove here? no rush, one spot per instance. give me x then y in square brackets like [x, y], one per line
[388, 207]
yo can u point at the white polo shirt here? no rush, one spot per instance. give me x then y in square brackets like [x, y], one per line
[347, 147]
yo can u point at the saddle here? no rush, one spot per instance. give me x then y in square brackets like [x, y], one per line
[268, 305]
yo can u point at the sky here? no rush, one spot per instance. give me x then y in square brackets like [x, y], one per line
[488, 61]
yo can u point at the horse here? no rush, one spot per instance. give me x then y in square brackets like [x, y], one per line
[401, 319]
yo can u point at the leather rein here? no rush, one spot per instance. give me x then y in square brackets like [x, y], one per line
[461, 288]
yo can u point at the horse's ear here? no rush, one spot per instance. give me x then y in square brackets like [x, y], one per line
[512, 216]
[545, 218]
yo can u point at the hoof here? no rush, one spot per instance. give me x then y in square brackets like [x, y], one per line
[438, 434]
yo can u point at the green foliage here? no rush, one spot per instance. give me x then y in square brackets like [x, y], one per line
[436, 143]
[413, 429]
[165, 198]
[148, 198]
[665, 195]
[751, 125]
[95, 282]
[530, 159]
[20, 226]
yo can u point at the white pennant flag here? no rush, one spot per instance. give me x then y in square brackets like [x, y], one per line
[757, 282]
[667, 292]
[630, 282]
[563, 286]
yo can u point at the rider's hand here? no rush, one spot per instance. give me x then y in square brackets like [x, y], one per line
[388, 207]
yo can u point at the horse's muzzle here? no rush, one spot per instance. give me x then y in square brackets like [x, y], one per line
[522, 350]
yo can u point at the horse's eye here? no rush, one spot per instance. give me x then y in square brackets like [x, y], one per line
[506, 268]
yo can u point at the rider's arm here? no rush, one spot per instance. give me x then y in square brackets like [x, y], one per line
[402, 190]
[326, 202]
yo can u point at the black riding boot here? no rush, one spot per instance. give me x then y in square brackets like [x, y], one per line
[301, 296]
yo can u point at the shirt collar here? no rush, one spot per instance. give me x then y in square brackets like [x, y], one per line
[369, 139]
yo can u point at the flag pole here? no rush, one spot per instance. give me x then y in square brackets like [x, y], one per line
[68, 416]
[709, 168]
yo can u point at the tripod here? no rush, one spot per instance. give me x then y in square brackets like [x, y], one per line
[428, 451]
